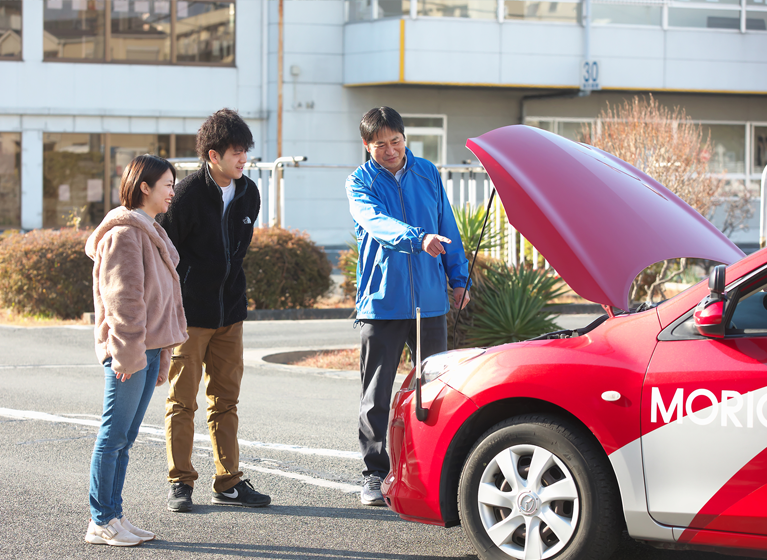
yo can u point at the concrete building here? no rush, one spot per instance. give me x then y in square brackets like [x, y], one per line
[80, 97]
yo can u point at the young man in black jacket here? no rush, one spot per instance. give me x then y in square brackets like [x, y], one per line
[210, 221]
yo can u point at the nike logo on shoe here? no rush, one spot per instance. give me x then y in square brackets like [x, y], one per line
[232, 495]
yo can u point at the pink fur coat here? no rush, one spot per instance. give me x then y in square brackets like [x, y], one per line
[136, 291]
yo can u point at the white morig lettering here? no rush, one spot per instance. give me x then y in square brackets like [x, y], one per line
[726, 408]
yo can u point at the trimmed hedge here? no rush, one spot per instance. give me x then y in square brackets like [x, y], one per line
[285, 269]
[47, 273]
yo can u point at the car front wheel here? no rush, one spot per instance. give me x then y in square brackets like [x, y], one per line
[536, 487]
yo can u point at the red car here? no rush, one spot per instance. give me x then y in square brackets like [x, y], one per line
[653, 420]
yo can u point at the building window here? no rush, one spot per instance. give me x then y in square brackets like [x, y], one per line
[140, 34]
[364, 10]
[571, 129]
[140, 31]
[10, 180]
[759, 151]
[82, 172]
[10, 29]
[756, 15]
[473, 9]
[728, 148]
[567, 11]
[426, 136]
[625, 13]
[73, 178]
[205, 32]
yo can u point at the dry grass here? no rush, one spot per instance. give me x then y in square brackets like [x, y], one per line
[11, 318]
[340, 360]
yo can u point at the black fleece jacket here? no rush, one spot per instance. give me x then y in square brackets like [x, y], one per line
[211, 247]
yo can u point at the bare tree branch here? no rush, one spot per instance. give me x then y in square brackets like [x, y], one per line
[667, 145]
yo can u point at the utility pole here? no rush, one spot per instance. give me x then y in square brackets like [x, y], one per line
[277, 173]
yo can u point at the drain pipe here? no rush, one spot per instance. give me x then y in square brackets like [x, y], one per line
[587, 57]
[586, 40]
[264, 77]
[763, 213]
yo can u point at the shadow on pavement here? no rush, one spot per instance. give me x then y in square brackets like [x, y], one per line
[286, 552]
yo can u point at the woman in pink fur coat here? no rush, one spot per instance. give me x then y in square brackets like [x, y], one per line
[139, 319]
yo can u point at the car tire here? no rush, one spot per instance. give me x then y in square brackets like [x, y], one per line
[572, 501]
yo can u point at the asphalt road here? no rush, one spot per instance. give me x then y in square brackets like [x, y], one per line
[299, 432]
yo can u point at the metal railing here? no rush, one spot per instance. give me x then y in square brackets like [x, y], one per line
[469, 185]
[466, 184]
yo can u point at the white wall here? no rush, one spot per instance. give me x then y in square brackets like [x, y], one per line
[514, 54]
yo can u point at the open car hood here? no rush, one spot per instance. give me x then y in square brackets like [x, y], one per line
[598, 220]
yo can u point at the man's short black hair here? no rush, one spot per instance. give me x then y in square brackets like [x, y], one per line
[378, 118]
[223, 129]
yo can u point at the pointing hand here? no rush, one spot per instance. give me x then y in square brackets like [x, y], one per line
[432, 244]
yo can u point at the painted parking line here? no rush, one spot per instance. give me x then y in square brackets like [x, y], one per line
[45, 417]
[34, 415]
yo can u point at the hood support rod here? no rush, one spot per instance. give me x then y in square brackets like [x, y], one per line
[473, 261]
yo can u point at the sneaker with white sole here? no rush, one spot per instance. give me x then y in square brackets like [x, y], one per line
[371, 491]
[241, 494]
[112, 534]
[140, 533]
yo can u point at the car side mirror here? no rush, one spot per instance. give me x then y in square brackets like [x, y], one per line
[709, 314]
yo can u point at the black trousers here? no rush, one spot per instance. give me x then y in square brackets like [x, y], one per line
[382, 342]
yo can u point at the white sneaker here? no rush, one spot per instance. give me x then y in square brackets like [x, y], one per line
[371, 491]
[140, 533]
[112, 534]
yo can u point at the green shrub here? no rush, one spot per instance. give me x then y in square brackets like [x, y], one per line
[285, 269]
[508, 304]
[347, 262]
[46, 273]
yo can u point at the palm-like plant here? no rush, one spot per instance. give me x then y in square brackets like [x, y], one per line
[512, 305]
[469, 222]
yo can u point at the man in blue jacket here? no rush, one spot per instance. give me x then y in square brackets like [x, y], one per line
[409, 246]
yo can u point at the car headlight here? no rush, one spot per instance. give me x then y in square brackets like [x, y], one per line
[438, 364]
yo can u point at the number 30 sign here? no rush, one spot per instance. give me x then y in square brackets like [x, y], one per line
[590, 75]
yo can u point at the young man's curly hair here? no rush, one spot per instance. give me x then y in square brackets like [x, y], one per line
[223, 129]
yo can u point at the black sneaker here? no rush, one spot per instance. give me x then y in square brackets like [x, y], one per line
[242, 494]
[180, 497]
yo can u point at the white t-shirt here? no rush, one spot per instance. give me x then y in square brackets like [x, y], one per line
[227, 193]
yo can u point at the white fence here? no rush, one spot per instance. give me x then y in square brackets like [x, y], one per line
[465, 184]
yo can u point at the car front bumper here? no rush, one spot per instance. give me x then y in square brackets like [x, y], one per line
[417, 449]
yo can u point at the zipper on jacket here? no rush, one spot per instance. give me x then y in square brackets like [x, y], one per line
[225, 232]
[409, 256]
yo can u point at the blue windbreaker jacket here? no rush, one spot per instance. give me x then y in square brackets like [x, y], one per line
[394, 275]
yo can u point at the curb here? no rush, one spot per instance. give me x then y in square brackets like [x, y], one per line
[277, 358]
[300, 314]
[350, 313]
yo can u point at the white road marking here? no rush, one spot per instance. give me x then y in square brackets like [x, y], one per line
[44, 416]
[53, 366]
[348, 488]
[351, 488]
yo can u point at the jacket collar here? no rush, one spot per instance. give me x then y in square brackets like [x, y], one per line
[121, 216]
[408, 164]
[239, 184]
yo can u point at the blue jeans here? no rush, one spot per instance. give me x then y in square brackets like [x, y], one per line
[125, 404]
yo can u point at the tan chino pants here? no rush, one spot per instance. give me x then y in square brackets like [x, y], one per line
[220, 350]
